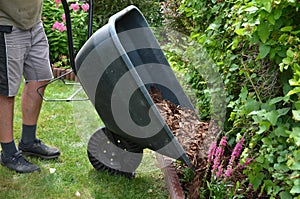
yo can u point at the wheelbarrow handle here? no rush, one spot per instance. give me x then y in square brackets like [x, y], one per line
[69, 30]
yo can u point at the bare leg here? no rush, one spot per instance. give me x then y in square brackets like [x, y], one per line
[31, 102]
[6, 119]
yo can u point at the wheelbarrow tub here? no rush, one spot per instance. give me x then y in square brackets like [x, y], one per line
[116, 67]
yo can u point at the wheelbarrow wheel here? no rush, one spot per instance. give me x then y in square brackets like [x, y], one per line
[109, 152]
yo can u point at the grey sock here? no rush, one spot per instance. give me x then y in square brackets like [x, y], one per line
[28, 134]
[8, 149]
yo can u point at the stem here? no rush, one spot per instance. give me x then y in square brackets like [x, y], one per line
[249, 77]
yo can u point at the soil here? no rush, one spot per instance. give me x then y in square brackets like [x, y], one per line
[195, 137]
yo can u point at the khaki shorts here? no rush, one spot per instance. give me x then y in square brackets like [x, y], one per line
[23, 53]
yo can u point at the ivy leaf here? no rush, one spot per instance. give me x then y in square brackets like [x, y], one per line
[287, 29]
[251, 9]
[275, 100]
[285, 195]
[256, 180]
[295, 189]
[272, 117]
[294, 91]
[264, 31]
[290, 53]
[296, 115]
[295, 136]
[277, 14]
[295, 166]
[264, 50]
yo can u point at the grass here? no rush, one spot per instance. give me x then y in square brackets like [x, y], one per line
[68, 125]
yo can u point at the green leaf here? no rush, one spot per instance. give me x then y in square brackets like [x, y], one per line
[287, 29]
[296, 115]
[295, 189]
[251, 10]
[263, 127]
[297, 105]
[294, 91]
[264, 31]
[281, 132]
[295, 135]
[294, 82]
[256, 180]
[295, 166]
[275, 100]
[290, 53]
[264, 50]
[277, 13]
[272, 117]
[240, 31]
[285, 195]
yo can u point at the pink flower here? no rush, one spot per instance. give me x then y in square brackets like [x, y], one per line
[59, 26]
[63, 16]
[57, 3]
[75, 7]
[85, 7]
[219, 154]
[234, 155]
[220, 171]
[211, 151]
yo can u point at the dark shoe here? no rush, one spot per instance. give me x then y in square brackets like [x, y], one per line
[18, 163]
[39, 149]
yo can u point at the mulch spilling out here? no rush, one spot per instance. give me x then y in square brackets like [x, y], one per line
[195, 137]
[190, 133]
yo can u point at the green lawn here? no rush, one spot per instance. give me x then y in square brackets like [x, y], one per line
[68, 125]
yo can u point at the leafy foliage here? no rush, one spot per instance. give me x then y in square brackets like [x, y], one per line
[52, 14]
[106, 8]
[255, 45]
[103, 9]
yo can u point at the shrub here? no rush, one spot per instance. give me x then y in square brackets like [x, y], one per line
[256, 47]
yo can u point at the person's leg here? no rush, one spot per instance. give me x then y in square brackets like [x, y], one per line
[31, 102]
[6, 126]
[11, 50]
[37, 72]
[31, 106]
[6, 119]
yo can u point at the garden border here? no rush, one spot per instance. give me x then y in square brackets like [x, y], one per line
[170, 176]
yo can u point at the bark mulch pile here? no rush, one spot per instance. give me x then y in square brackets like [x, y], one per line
[195, 137]
[190, 133]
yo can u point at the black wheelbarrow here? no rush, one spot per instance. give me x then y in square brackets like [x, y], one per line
[116, 67]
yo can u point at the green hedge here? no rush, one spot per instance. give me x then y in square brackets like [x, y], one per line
[255, 45]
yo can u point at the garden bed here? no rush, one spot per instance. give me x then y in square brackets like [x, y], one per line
[196, 138]
[66, 73]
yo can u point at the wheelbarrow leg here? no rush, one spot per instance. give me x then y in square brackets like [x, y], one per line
[108, 151]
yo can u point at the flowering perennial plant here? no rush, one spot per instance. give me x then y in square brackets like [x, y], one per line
[60, 26]
[54, 20]
[216, 155]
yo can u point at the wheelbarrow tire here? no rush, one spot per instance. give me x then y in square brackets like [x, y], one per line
[108, 151]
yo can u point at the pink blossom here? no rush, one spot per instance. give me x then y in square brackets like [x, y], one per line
[234, 155]
[220, 171]
[57, 3]
[75, 7]
[211, 151]
[59, 26]
[85, 7]
[219, 153]
[228, 172]
[63, 16]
